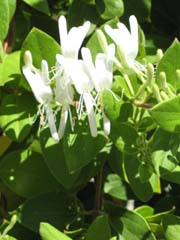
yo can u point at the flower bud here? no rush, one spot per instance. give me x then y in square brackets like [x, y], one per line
[178, 74]
[150, 73]
[159, 55]
[162, 77]
[102, 40]
[156, 92]
[28, 58]
[122, 56]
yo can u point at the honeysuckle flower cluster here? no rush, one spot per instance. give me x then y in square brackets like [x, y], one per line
[74, 76]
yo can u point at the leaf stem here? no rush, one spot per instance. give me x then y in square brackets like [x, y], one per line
[98, 195]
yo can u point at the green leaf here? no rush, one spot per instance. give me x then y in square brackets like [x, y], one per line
[101, 227]
[9, 69]
[144, 190]
[87, 11]
[26, 174]
[81, 149]
[145, 210]
[125, 137]
[40, 5]
[49, 232]
[112, 105]
[42, 46]
[167, 114]
[165, 155]
[56, 162]
[115, 187]
[171, 227]
[158, 217]
[17, 113]
[57, 209]
[164, 161]
[110, 8]
[169, 64]
[7, 9]
[129, 224]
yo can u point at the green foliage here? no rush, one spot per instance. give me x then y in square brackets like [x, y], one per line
[109, 9]
[122, 183]
[9, 69]
[48, 232]
[7, 8]
[40, 5]
[100, 226]
[169, 64]
[42, 46]
[15, 120]
[25, 173]
[167, 114]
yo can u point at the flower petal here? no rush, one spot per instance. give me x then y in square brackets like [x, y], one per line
[42, 92]
[62, 32]
[80, 78]
[63, 121]
[134, 31]
[106, 124]
[88, 101]
[51, 122]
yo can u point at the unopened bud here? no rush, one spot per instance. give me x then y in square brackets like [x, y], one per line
[159, 55]
[28, 58]
[45, 71]
[156, 92]
[162, 78]
[150, 72]
[164, 95]
[102, 40]
[178, 74]
[122, 56]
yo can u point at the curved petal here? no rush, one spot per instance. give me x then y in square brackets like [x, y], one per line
[51, 121]
[63, 121]
[134, 32]
[45, 72]
[62, 32]
[113, 33]
[41, 91]
[76, 36]
[80, 78]
[106, 124]
[88, 101]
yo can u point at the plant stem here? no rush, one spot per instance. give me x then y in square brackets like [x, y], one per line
[98, 195]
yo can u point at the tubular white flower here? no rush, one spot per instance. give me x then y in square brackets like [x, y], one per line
[71, 41]
[101, 75]
[102, 72]
[70, 44]
[125, 39]
[84, 86]
[39, 83]
[64, 96]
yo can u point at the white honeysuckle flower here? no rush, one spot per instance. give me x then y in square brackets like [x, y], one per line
[102, 71]
[125, 39]
[64, 96]
[40, 84]
[84, 87]
[70, 42]
[101, 74]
